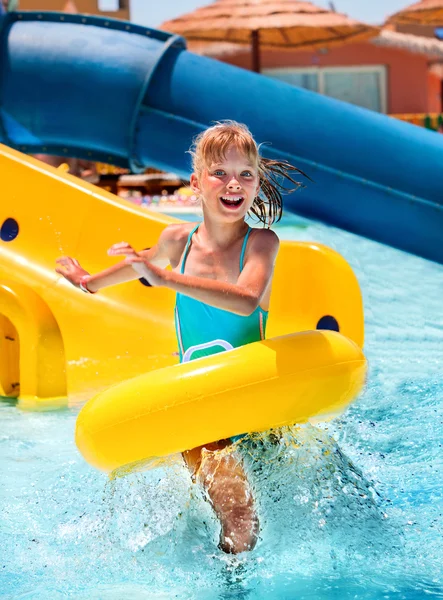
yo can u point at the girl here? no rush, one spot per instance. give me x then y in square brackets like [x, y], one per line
[222, 273]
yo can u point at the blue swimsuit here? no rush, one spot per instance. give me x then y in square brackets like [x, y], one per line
[203, 330]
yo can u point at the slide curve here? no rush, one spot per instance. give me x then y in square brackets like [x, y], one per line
[111, 91]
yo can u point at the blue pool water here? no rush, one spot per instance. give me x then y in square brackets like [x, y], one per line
[349, 509]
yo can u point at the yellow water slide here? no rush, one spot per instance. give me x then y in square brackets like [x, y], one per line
[59, 345]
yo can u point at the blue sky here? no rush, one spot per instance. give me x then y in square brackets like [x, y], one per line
[153, 12]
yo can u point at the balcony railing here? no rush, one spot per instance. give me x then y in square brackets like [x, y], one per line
[433, 121]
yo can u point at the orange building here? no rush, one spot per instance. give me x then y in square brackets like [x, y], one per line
[117, 9]
[393, 73]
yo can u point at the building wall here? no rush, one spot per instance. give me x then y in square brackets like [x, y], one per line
[434, 93]
[88, 7]
[409, 87]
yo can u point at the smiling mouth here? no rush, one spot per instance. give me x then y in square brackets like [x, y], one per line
[232, 201]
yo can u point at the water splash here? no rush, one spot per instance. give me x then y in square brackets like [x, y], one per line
[351, 509]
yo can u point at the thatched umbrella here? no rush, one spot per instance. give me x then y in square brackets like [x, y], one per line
[275, 24]
[426, 12]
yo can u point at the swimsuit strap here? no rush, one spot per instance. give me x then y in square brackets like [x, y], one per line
[242, 254]
[188, 243]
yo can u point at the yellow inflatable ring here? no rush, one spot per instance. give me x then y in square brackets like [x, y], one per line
[272, 383]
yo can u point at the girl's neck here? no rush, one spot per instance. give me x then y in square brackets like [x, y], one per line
[222, 235]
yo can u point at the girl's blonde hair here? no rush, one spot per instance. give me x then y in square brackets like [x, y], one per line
[211, 146]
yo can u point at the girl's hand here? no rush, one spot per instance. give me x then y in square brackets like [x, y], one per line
[70, 269]
[140, 265]
[155, 275]
[125, 249]
[122, 249]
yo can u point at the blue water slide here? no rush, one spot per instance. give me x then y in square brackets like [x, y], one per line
[112, 91]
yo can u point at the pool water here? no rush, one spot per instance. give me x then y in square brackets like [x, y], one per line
[349, 509]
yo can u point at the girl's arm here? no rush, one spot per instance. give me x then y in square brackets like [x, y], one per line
[241, 297]
[122, 272]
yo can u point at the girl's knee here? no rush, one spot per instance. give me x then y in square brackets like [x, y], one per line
[240, 535]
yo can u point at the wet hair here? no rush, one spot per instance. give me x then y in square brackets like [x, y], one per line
[211, 146]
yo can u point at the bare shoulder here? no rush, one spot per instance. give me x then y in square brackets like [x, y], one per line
[264, 240]
[176, 232]
[173, 238]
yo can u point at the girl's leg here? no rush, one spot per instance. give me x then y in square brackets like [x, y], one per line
[224, 479]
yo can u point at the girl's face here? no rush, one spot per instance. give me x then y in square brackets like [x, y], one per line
[228, 188]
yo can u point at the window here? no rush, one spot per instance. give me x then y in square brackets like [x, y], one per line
[306, 80]
[363, 86]
[108, 5]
